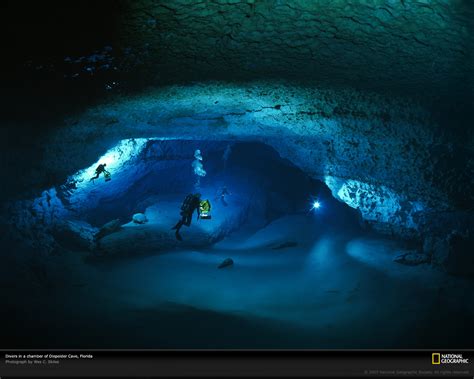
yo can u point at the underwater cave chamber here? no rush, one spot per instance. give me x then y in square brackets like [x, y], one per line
[151, 177]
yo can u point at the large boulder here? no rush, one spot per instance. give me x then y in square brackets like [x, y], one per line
[108, 228]
[75, 235]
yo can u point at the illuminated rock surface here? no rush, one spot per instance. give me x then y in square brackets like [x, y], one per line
[396, 45]
[379, 155]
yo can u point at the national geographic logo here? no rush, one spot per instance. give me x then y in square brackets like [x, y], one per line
[443, 359]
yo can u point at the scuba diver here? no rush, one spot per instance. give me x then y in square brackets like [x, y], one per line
[191, 203]
[222, 193]
[101, 169]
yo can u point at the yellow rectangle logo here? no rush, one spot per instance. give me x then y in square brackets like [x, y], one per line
[436, 358]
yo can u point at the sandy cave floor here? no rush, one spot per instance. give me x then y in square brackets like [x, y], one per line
[288, 288]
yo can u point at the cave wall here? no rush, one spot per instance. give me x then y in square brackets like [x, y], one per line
[393, 45]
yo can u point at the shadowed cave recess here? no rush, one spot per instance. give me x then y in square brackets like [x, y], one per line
[333, 140]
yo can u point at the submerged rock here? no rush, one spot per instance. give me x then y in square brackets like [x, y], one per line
[108, 228]
[76, 235]
[226, 263]
[139, 218]
[285, 245]
[412, 258]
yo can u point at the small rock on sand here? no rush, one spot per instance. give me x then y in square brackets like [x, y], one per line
[412, 259]
[139, 218]
[226, 263]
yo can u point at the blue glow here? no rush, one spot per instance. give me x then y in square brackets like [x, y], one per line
[115, 158]
[316, 205]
